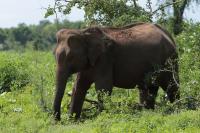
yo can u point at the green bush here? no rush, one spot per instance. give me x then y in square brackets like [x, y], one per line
[189, 40]
[13, 72]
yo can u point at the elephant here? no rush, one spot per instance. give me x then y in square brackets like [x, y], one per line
[116, 57]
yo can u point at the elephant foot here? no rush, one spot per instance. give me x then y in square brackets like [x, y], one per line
[74, 117]
[149, 106]
[57, 116]
[150, 103]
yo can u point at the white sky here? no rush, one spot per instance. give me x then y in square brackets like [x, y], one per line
[13, 12]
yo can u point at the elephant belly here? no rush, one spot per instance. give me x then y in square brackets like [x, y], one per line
[127, 78]
[125, 84]
[132, 63]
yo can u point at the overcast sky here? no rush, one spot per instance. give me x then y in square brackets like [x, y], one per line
[13, 12]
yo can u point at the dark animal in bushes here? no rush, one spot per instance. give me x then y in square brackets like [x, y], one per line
[141, 54]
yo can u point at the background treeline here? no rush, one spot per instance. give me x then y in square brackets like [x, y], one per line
[36, 37]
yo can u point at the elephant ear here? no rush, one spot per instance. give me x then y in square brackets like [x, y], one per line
[95, 43]
[76, 43]
[95, 50]
[99, 46]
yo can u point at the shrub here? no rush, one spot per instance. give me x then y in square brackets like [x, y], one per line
[189, 41]
[13, 72]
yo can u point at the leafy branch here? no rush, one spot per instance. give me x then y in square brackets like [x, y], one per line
[161, 7]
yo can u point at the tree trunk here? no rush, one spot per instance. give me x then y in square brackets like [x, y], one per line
[135, 3]
[178, 16]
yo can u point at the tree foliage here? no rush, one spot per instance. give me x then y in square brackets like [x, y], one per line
[3, 36]
[178, 7]
[121, 12]
[104, 12]
[22, 33]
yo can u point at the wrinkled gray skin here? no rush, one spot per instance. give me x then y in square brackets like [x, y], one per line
[122, 57]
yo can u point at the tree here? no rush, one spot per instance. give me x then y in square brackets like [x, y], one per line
[120, 12]
[22, 34]
[105, 12]
[3, 36]
[178, 7]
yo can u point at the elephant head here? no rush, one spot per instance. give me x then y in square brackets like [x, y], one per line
[75, 51]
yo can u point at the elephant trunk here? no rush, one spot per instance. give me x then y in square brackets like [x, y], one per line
[61, 81]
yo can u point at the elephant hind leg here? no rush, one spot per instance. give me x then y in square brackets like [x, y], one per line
[169, 78]
[153, 90]
[104, 90]
[102, 95]
[170, 84]
[148, 95]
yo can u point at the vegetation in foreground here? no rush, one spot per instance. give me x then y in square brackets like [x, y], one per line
[27, 87]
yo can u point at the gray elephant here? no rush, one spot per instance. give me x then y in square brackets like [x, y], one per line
[122, 57]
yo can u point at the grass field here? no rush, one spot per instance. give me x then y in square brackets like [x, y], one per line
[27, 108]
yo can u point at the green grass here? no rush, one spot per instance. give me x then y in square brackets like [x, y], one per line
[28, 108]
[21, 113]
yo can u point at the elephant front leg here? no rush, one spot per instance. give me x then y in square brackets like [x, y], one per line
[81, 86]
[61, 80]
[150, 101]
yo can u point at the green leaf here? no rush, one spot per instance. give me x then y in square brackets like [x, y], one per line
[50, 11]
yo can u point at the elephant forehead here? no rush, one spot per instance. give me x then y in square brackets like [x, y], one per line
[64, 34]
